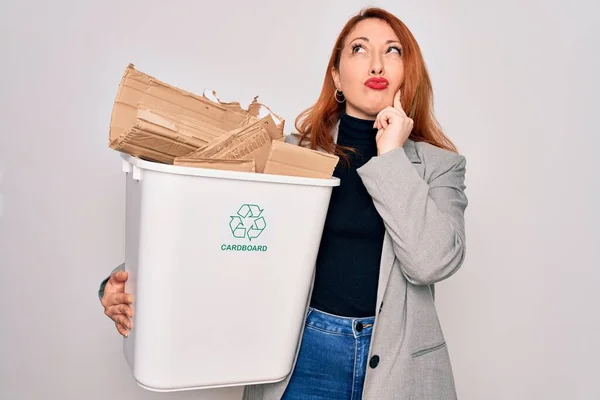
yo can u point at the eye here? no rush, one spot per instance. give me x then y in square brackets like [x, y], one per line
[396, 49]
[356, 47]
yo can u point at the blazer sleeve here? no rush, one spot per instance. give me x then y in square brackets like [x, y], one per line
[424, 219]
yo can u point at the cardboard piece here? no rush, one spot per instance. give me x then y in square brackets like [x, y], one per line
[146, 154]
[143, 139]
[178, 127]
[256, 147]
[230, 165]
[255, 143]
[163, 122]
[293, 160]
[215, 147]
[250, 143]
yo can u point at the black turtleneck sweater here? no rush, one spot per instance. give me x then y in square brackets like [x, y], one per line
[348, 262]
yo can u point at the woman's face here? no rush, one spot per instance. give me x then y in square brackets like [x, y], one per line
[371, 68]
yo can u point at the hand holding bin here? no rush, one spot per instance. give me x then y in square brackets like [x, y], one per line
[216, 204]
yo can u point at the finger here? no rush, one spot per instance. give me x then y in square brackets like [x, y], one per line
[397, 103]
[123, 320]
[383, 118]
[120, 309]
[119, 298]
[116, 282]
[379, 133]
[126, 298]
[112, 312]
[380, 119]
[122, 330]
[126, 310]
[121, 276]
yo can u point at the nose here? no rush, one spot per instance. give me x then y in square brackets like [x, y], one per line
[376, 67]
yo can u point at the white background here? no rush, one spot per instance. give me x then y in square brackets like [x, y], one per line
[516, 87]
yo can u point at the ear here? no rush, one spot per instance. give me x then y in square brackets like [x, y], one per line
[336, 78]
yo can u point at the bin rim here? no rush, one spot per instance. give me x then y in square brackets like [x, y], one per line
[224, 174]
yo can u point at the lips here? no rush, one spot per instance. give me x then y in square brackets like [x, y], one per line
[377, 83]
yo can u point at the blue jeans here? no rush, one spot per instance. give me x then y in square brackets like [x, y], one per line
[333, 358]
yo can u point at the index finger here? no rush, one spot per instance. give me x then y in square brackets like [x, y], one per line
[120, 298]
[121, 276]
[397, 103]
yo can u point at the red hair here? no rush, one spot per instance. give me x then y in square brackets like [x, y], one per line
[317, 122]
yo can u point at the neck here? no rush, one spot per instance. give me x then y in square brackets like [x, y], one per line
[359, 116]
[357, 128]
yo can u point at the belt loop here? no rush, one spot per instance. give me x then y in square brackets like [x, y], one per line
[310, 310]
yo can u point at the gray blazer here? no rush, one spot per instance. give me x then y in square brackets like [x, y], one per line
[419, 191]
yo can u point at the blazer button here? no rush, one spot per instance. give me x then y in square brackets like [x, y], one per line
[374, 362]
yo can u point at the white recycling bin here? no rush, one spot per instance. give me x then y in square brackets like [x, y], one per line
[220, 266]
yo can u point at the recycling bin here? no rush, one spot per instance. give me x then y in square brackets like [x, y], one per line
[220, 266]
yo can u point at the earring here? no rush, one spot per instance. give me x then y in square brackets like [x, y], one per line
[338, 98]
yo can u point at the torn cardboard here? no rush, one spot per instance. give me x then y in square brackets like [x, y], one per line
[255, 147]
[250, 143]
[215, 147]
[154, 117]
[146, 154]
[137, 87]
[229, 165]
[292, 160]
[159, 122]
[178, 127]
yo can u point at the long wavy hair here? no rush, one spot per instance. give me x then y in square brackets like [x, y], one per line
[317, 122]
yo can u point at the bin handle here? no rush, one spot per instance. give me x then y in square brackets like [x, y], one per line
[126, 166]
[136, 172]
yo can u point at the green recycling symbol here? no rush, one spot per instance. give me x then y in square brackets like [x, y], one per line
[248, 223]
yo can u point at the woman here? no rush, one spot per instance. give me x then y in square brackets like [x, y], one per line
[395, 226]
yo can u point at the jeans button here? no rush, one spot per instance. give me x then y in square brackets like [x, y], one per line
[374, 361]
[359, 326]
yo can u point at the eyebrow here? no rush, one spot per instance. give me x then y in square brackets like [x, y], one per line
[367, 39]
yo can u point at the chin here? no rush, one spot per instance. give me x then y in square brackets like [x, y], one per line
[372, 110]
[368, 108]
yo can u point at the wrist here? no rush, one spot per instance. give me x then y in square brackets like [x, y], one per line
[381, 151]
